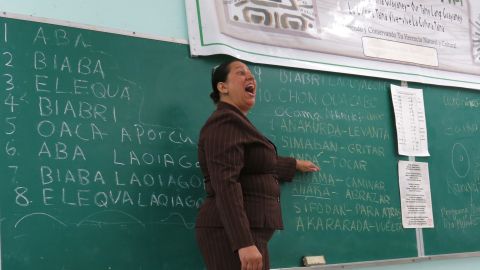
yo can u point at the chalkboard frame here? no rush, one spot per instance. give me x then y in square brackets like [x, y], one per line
[420, 258]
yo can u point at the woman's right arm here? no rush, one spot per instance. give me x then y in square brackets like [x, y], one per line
[306, 166]
[250, 258]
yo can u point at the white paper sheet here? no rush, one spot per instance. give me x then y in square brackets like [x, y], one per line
[415, 194]
[410, 121]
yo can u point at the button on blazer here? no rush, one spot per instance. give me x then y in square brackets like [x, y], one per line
[242, 173]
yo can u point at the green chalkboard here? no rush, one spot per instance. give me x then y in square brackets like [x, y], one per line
[99, 158]
[99, 164]
[454, 132]
[350, 210]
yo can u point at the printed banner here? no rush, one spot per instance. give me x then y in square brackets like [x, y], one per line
[430, 41]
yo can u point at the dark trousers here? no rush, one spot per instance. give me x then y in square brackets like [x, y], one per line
[217, 253]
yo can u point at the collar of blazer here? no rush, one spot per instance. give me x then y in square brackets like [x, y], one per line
[226, 106]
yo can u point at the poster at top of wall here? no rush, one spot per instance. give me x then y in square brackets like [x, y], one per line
[431, 41]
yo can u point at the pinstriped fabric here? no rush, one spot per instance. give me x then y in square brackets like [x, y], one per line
[284, 168]
[224, 162]
[241, 170]
[216, 251]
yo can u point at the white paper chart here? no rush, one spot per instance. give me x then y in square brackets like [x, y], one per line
[415, 194]
[410, 121]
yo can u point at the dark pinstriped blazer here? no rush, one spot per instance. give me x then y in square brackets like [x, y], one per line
[241, 170]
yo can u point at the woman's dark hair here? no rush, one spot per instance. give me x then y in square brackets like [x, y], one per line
[219, 74]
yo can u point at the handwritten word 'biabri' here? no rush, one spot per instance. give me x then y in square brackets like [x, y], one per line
[76, 109]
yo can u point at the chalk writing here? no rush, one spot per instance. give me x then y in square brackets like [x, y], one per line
[59, 38]
[139, 133]
[38, 214]
[344, 134]
[89, 151]
[460, 160]
[95, 218]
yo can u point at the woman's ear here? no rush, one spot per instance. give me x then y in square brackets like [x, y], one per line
[222, 88]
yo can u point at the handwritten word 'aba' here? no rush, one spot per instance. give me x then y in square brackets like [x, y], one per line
[61, 38]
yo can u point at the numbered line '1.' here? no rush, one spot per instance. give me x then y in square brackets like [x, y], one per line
[5, 31]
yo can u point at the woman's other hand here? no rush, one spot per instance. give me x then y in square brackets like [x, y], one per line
[250, 258]
[306, 166]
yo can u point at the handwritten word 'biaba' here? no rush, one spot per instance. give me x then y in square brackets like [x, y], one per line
[81, 66]
[80, 176]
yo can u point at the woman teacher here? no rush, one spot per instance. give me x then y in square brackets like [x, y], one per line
[242, 173]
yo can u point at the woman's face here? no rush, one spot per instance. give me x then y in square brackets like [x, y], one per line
[240, 87]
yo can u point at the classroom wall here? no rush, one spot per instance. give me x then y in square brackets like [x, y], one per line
[165, 19]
